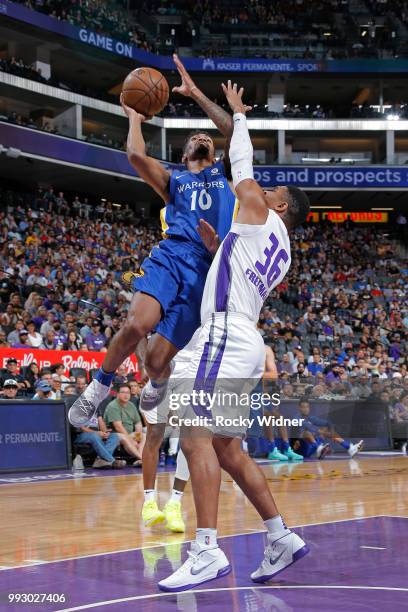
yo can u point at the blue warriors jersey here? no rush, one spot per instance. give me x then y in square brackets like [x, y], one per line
[194, 196]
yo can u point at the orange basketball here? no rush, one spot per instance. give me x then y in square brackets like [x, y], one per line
[146, 91]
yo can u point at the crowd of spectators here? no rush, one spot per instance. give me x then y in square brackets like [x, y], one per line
[337, 324]
[287, 14]
[110, 18]
[314, 25]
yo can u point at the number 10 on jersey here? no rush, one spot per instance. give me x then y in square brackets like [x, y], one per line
[204, 200]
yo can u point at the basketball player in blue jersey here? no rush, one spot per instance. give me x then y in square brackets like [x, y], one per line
[170, 285]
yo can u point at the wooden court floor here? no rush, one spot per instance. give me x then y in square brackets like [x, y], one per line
[45, 521]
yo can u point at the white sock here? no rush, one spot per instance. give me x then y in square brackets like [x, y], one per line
[276, 527]
[173, 445]
[182, 471]
[176, 495]
[206, 538]
[149, 494]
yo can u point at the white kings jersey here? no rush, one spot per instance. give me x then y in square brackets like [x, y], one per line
[250, 262]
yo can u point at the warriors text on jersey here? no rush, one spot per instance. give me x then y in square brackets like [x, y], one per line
[194, 196]
[176, 270]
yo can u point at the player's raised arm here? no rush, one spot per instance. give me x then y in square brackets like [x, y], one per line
[151, 170]
[218, 115]
[253, 209]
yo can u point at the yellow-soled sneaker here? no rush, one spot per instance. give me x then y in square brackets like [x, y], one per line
[151, 513]
[172, 514]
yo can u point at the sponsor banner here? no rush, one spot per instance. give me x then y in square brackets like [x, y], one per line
[340, 177]
[358, 217]
[88, 360]
[33, 436]
[220, 64]
[308, 177]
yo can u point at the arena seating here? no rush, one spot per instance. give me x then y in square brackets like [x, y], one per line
[344, 297]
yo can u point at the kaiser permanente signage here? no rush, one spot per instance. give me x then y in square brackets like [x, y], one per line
[106, 43]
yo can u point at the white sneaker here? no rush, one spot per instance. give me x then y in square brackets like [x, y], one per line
[278, 555]
[355, 448]
[404, 448]
[85, 407]
[201, 566]
[150, 397]
[323, 450]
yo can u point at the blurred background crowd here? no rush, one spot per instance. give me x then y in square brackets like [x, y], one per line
[337, 324]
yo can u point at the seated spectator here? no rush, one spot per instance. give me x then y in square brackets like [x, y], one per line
[58, 369]
[80, 384]
[32, 375]
[401, 410]
[73, 342]
[69, 391]
[11, 373]
[285, 365]
[333, 375]
[120, 376]
[43, 391]
[22, 340]
[95, 340]
[34, 338]
[315, 365]
[56, 385]
[103, 441]
[135, 393]
[122, 415]
[9, 389]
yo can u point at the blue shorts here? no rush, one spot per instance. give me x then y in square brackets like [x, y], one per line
[174, 274]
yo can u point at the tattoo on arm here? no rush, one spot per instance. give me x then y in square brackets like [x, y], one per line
[218, 115]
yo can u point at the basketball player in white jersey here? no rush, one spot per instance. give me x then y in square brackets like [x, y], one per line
[252, 259]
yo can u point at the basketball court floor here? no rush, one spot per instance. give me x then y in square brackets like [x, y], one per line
[78, 537]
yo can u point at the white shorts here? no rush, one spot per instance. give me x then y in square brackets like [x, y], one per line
[181, 364]
[227, 363]
[160, 413]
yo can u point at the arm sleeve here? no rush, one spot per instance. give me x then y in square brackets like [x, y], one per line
[241, 151]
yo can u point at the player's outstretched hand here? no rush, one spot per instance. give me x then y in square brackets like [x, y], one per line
[209, 236]
[187, 83]
[130, 112]
[234, 97]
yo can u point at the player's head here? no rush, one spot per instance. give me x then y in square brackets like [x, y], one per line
[304, 407]
[198, 145]
[291, 204]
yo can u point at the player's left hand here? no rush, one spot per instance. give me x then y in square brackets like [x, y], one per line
[234, 98]
[187, 83]
[209, 236]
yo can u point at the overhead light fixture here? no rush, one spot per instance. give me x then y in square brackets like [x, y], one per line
[382, 209]
[328, 207]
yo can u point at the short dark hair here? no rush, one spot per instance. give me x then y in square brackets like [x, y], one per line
[191, 134]
[123, 385]
[299, 206]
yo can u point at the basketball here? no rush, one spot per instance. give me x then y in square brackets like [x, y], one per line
[146, 91]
